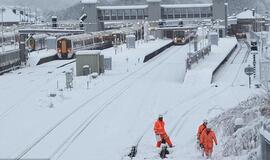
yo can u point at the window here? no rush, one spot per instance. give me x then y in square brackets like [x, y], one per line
[107, 15]
[114, 14]
[127, 14]
[120, 14]
[133, 14]
[190, 12]
[140, 14]
[170, 13]
[197, 12]
[177, 12]
[183, 12]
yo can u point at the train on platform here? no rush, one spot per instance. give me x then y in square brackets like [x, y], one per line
[171, 23]
[68, 45]
[36, 42]
[181, 37]
[241, 35]
[9, 38]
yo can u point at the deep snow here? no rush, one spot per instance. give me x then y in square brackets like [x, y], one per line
[117, 110]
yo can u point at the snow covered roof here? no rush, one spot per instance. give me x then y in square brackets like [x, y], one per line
[248, 15]
[88, 52]
[88, 1]
[78, 37]
[123, 7]
[153, 0]
[186, 5]
[10, 16]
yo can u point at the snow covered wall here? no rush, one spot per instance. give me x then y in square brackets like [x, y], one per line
[242, 143]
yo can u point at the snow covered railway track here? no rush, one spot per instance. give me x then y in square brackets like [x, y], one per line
[92, 116]
[178, 125]
[240, 68]
[237, 53]
[17, 103]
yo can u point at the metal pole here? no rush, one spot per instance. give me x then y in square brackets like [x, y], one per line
[2, 11]
[249, 81]
[189, 41]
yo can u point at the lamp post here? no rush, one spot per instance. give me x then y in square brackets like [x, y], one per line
[2, 15]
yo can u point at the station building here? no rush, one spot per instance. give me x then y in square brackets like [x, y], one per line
[153, 10]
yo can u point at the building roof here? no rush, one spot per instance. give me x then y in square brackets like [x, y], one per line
[248, 14]
[186, 5]
[122, 7]
[9, 15]
[153, 0]
[88, 1]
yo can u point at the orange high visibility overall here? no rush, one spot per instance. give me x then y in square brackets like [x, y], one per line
[159, 129]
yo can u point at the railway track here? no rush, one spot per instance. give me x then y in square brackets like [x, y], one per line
[92, 116]
[237, 53]
[244, 60]
[180, 122]
[16, 105]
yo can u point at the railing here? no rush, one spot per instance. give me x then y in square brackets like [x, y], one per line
[195, 57]
[156, 52]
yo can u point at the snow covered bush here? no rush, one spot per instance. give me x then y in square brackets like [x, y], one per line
[244, 141]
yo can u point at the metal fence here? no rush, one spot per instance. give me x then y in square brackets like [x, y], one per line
[157, 52]
[195, 57]
[9, 60]
[265, 143]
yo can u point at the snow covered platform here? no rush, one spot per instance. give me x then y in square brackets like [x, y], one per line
[41, 56]
[140, 52]
[202, 73]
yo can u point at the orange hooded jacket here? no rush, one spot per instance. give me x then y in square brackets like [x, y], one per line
[207, 139]
[201, 128]
[159, 127]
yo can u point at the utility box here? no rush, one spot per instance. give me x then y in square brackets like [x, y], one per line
[213, 38]
[51, 42]
[131, 41]
[91, 58]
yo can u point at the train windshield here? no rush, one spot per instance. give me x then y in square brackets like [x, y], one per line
[179, 33]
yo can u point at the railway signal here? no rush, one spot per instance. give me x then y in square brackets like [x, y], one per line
[249, 71]
[254, 51]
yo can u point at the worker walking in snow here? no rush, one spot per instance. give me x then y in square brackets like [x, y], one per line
[201, 128]
[160, 132]
[207, 139]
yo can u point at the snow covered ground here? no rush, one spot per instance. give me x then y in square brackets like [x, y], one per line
[117, 111]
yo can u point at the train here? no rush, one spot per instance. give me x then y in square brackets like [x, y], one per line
[9, 38]
[36, 42]
[68, 45]
[241, 35]
[171, 23]
[181, 37]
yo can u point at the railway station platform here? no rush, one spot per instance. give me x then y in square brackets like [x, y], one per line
[201, 74]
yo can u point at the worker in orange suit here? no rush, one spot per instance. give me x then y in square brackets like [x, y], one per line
[201, 128]
[207, 139]
[160, 132]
